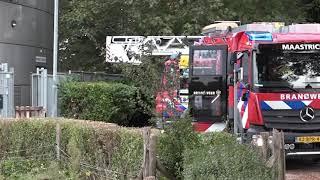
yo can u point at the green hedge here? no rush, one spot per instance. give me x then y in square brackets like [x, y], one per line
[220, 156]
[89, 150]
[96, 150]
[100, 101]
[189, 155]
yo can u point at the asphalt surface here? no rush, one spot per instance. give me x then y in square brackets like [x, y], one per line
[303, 168]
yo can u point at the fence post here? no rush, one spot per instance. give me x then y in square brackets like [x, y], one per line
[146, 144]
[152, 155]
[275, 142]
[58, 138]
[278, 150]
[149, 164]
[282, 158]
[264, 148]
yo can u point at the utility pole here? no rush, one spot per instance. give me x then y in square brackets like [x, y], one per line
[55, 57]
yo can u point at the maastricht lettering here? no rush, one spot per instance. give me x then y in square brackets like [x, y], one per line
[301, 47]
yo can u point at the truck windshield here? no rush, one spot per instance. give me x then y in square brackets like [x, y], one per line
[287, 68]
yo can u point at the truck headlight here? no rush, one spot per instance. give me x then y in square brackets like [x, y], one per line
[289, 146]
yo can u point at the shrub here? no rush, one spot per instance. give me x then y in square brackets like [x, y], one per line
[89, 150]
[172, 144]
[189, 155]
[219, 156]
[99, 101]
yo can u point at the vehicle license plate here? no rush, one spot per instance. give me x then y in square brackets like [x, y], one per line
[308, 139]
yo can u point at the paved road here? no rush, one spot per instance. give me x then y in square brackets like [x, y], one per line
[303, 169]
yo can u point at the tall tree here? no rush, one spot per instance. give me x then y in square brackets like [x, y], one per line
[86, 23]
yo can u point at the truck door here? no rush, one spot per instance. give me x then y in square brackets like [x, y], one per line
[207, 78]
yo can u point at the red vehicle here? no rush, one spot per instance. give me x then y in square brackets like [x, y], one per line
[260, 77]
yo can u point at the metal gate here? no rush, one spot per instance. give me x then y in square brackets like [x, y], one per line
[6, 91]
[42, 90]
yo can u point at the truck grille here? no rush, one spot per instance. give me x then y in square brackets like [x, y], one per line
[290, 120]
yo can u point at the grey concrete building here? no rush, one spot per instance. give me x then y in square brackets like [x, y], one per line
[26, 41]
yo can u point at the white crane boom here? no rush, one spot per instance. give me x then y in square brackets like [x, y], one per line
[128, 49]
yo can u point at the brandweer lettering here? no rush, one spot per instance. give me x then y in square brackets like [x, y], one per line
[299, 96]
[301, 47]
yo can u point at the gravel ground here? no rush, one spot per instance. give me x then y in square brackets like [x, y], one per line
[303, 168]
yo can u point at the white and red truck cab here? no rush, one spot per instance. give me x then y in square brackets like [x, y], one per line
[261, 77]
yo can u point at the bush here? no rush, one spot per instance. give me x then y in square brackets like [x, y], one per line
[99, 101]
[188, 155]
[172, 144]
[219, 156]
[89, 150]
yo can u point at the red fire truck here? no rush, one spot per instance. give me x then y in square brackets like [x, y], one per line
[260, 77]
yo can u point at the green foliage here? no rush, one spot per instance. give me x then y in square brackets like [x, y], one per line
[25, 149]
[88, 150]
[189, 155]
[98, 149]
[108, 102]
[311, 9]
[248, 11]
[220, 156]
[126, 155]
[75, 155]
[86, 23]
[146, 76]
[95, 150]
[41, 171]
[172, 144]
[15, 137]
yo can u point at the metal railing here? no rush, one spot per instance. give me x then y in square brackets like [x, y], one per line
[6, 91]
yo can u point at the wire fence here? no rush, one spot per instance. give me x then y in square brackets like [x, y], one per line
[99, 171]
[65, 160]
[25, 150]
